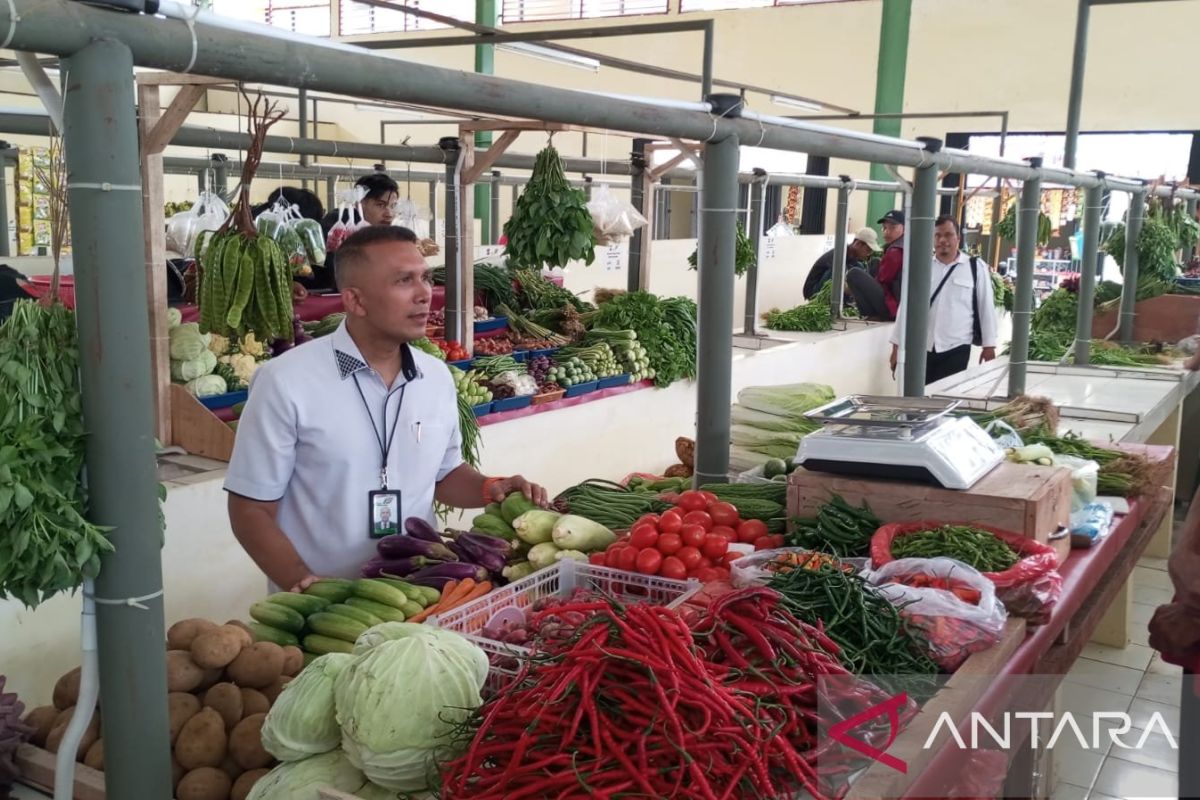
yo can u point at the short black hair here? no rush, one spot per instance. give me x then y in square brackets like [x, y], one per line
[946, 218]
[378, 185]
[353, 251]
[307, 203]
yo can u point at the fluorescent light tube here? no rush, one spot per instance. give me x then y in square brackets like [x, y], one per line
[793, 103]
[546, 54]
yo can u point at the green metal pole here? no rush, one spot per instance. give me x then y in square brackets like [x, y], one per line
[839, 247]
[5, 251]
[485, 64]
[101, 143]
[1075, 98]
[716, 249]
[889, 90]
[758, 188]
[1191, 212]
[1133, 229]
[1093, 205]
[1027, 224]
[920, 269]
[637, 198]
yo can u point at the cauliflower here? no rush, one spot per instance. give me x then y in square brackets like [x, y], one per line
[251, 346]
[218, 344]
[243, 365]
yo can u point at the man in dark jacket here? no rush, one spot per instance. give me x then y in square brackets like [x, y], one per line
[891, 268]
[861, 248]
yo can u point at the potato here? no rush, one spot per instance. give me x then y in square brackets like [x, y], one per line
[254, 702]
[244, 628]
[95, 755]
[258, 666]
[215, 649]
[181, 707]
[202, 741]
[231, 768]
[66, 689]
[177, 773]
[243, 785]
[204, 783]
[227, 700]
[211, 678]
[245, 743]
[183, 674]
[181, 635]
[293, 661]
[90, 734]
[63, 717]
[273, 691]
[41, 719]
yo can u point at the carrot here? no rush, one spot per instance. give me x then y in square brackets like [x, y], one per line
[451, 591]
[479, 591]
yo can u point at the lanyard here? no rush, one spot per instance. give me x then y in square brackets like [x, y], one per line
[385, 440]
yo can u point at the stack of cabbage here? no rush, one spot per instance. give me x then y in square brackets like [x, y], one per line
[192, 362]
[375, 723]
[768, 422]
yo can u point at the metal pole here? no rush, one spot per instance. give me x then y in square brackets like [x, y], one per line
[839, 247]
[202, 181]
[717, 247]
[1075, 98]
[5, 249]
[101, 143]
[758, 188]
[1093, 200]
[433, 215]
[1027, 224]
[302, 96]
[637, 198]
[330, 194]
[1191, 212]
[1133, 229]
[706, 74]
[494, 226]
[587, 189]
[454, 300]
[920, 268]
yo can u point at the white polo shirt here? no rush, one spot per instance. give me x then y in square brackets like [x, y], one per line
[305, 439]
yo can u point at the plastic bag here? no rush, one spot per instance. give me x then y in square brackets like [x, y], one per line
[1008, 437]
[1028, 589]
[207, 214]
[1085, 478]
[349, 217]
[780, 230]
[309, 231]
[758, 568]
[1090, 524]
[953, 626]
[523, 385]
[613, 219]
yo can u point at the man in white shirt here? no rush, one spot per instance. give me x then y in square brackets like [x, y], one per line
[962, 309]
[345, 437]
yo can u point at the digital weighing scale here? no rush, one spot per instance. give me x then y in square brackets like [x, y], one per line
[901, 438]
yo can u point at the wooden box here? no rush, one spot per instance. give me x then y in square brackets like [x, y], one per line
[1024, 499]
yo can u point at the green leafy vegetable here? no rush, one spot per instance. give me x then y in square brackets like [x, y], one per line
[551, 224]
[666, 329]
[815, 316]
[743, 256]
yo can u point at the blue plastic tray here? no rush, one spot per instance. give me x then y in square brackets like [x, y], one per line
[463, 365]
[511, 404]
[549, 351]
[224, 400]
[1188, 283]
[582, 388]
[481, 410]
[615, 380]
[519, 356]
[491, 324]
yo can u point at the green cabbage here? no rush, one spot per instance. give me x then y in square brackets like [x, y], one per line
[184, 371]
[374, 792]
[472, 657]
[206, 386]
[174, 317]
[302, 722]
[186, 341]
[399, 703]
[300, 780]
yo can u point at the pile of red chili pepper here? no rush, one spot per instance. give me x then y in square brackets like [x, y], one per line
[959, 589]
[637, 704]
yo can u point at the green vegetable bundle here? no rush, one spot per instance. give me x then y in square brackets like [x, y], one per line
[540, 293]
[47, 545]
[815, 316]
[1006, 228]
[743, 256]
[972, 546]
[1122, 474]
[839, 529]
[493, 282]
[612, 505]
[666, 329]
[551, 224]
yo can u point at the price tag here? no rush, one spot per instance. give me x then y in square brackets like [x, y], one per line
[769, 249]
[613, 259]
[829, 242]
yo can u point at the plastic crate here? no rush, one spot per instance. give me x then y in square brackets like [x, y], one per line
[548, 397]
[471, 618]
[615, 380]
[511, 403]
[494, 324]
[463, 365]
[482, 408]
[224, 400]
[582, 388]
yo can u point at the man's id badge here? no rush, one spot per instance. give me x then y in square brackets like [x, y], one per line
[383, 510]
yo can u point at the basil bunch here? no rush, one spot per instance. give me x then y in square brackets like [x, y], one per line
[551, 224]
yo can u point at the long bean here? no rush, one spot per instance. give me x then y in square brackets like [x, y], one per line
[610, 504]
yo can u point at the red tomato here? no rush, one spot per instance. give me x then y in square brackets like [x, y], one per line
[763, 543]
[692, 501]
[671, 521]
[643, 535]
[700, 518]
[705, 561]
[776, 540]
[669, 543]
[672, 567]
[692, 535]
[649, 561]
[598, 559]
[690, 557]
[750, 530]
[707, 574]
[725, 532]
[730, 557]
[724, 514]
[715, 546]
[722, 573]
[628, 559]
[709, 498]
[612, 555]
[651, 518]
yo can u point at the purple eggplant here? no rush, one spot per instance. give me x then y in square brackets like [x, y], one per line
[483, 541]
[485, 556]
[456, 570]
[459, 551]
[433, 583]
[401, 546]
[398, 566]
[420, 529]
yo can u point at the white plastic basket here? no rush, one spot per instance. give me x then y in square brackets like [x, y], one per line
[471, 618]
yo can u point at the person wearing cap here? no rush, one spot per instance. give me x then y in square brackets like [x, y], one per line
[891, 266]
[858, 252]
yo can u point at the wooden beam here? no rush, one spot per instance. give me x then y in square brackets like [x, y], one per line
[157, 138]
[489, 156]
[177, 79]
[657, 172]
[36, 767]
[150, 109]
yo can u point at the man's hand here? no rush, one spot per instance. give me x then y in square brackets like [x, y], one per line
[305, 582]
[1193, 363]
[506, 486]
[893, 358]
[988, 354]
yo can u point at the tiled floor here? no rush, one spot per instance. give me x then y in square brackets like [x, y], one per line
[1134, 679]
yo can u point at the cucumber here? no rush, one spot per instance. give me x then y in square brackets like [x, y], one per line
[320, 645]
[336, 626]
[749, 508]
[384, 613]
[380, 593]
[335, 590]
[304, 603]
[432, 595]
[411, 609]
[277, 616]
[356, 614]
[266, 633]
[411, 591]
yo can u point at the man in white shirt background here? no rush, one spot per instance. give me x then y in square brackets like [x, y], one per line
[962, 308]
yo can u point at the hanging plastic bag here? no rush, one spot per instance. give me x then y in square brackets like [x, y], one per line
[780, 229]
[292, 245]
[952, 604]
[1028, 589]
[613, 219]
[207, 214]
[309, 231]
[1085, 479]
[349, 217]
